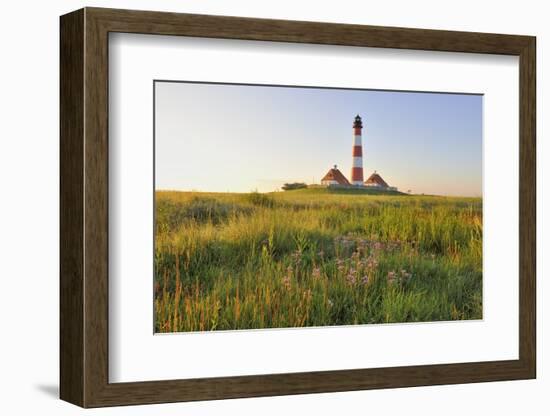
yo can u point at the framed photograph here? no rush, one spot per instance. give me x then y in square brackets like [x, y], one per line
[254, 207]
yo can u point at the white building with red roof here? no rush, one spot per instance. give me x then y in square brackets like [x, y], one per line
[334, 177]
[376, 181]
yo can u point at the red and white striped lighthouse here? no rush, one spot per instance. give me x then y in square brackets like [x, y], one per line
[357, 166]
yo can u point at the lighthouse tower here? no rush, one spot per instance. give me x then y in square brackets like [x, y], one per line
[357, 165]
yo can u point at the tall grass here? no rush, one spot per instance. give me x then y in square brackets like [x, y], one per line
[314, 258]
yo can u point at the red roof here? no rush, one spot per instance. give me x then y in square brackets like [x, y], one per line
[376, 179]
[335, 175]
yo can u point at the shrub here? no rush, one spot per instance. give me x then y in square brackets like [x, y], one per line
[292, 186]
[261, 200]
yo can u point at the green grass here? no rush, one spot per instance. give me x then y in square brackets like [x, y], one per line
[314, 257]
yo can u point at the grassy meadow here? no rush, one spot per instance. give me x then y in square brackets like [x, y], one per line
[314, 257]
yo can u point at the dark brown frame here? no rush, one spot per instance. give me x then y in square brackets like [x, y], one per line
[84, 208]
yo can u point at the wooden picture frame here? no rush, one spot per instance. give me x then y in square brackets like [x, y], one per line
[84, 207]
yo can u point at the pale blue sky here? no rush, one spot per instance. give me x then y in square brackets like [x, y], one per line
[239, 138]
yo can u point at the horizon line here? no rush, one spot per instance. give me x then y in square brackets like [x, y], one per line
[255, 191]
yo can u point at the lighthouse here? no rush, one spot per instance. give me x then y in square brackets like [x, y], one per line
[357, 152]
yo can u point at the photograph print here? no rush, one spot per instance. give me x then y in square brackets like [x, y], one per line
[294, 206]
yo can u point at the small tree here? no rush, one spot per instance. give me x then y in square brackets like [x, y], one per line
[292, 186]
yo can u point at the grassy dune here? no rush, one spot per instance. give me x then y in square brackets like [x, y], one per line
[312, 258]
